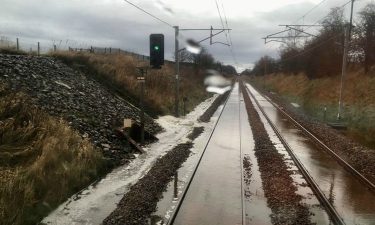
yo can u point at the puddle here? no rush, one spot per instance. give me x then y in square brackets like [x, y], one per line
[353, 201]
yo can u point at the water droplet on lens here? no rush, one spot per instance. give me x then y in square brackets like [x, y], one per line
[161, 5]
[193, 46]
[216, 83]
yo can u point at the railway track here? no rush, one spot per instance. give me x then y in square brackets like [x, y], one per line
[333, 214]
[183, 196]
[325, 202]
[347, 166]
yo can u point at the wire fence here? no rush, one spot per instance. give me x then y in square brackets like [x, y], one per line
[30, 45]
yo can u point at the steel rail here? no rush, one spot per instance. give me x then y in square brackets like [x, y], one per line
[333, 214]
[347, 166]
[179, 203]
[243, 204]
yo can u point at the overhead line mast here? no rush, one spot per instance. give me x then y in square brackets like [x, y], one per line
[177, 50]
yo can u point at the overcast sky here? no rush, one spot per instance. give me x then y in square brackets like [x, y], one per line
[115, 23]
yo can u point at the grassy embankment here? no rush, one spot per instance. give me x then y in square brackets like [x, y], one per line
[314, 95]
[119, 72]
[42, 160]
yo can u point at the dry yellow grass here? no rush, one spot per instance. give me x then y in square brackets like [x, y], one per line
[358, 88]
[42, 160]
[314, 95]
[119, 72]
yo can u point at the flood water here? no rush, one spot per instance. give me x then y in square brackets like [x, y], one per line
[353, 201]
[214, 196]
[219, 194]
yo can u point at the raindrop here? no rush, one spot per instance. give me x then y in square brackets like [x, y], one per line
[216, 83]
[193, 46]
[163, 6]
[218, 90]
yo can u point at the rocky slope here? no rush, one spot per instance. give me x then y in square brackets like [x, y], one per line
[62, 92]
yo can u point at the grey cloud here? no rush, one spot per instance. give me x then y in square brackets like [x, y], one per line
[117, 24]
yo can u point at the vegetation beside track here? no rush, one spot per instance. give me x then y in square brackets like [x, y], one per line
[314, 95]
[119, 72]
[42, 160]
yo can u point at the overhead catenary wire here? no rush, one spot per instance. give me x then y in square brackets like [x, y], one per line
[226, 22]
[221, 20]
[227, 34]
[307, 27]
[155, 17]
[308, 12]
[326, 16]
[310, 49]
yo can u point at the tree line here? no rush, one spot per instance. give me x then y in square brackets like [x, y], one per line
[204, 60]
[321, 56]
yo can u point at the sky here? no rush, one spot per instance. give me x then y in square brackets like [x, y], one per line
[115, 23]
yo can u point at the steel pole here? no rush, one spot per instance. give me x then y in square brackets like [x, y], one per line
[177, 71]
[351, 19]
[343, 71]
[142, 116]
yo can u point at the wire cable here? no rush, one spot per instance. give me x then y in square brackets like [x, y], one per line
[310, 49]
[155, 17]
[335, 10]
[229, 40]
[221, 19]
[226, 22]
[316, 6]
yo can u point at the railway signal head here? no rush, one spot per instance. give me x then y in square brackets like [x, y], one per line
[156, 50]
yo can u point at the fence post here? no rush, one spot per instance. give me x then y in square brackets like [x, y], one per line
[18, 45]
[91, 50]
[38, 48]
[54, 48]
[119, 51]
[105, 50]
[110, 50]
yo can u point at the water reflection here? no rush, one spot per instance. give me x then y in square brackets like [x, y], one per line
[175, 189]
[331, 197]
[354, 202]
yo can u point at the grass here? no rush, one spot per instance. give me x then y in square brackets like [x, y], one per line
[314, 95]
[42, 160]
[119, 73]
[11, 50]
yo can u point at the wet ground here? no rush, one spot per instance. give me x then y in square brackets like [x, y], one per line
[215, 196]
[95, 203]
[354, 202]
[227, 187]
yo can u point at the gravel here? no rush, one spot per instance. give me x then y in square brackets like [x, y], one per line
[140, 202]
[278, 185]
[88, 106]
[206, 116]
[137, 205]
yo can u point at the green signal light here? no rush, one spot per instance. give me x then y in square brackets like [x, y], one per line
[156, 48]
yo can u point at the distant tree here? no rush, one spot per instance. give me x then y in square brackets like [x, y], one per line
[322, 55]
[366, 35]
[324, 52]
[265, 65]
[246, 72]
[186, 56]
[290, 59]
[204, 60]
[224, 69]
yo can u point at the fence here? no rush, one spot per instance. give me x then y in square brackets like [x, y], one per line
[41, 47]
[110, 50]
